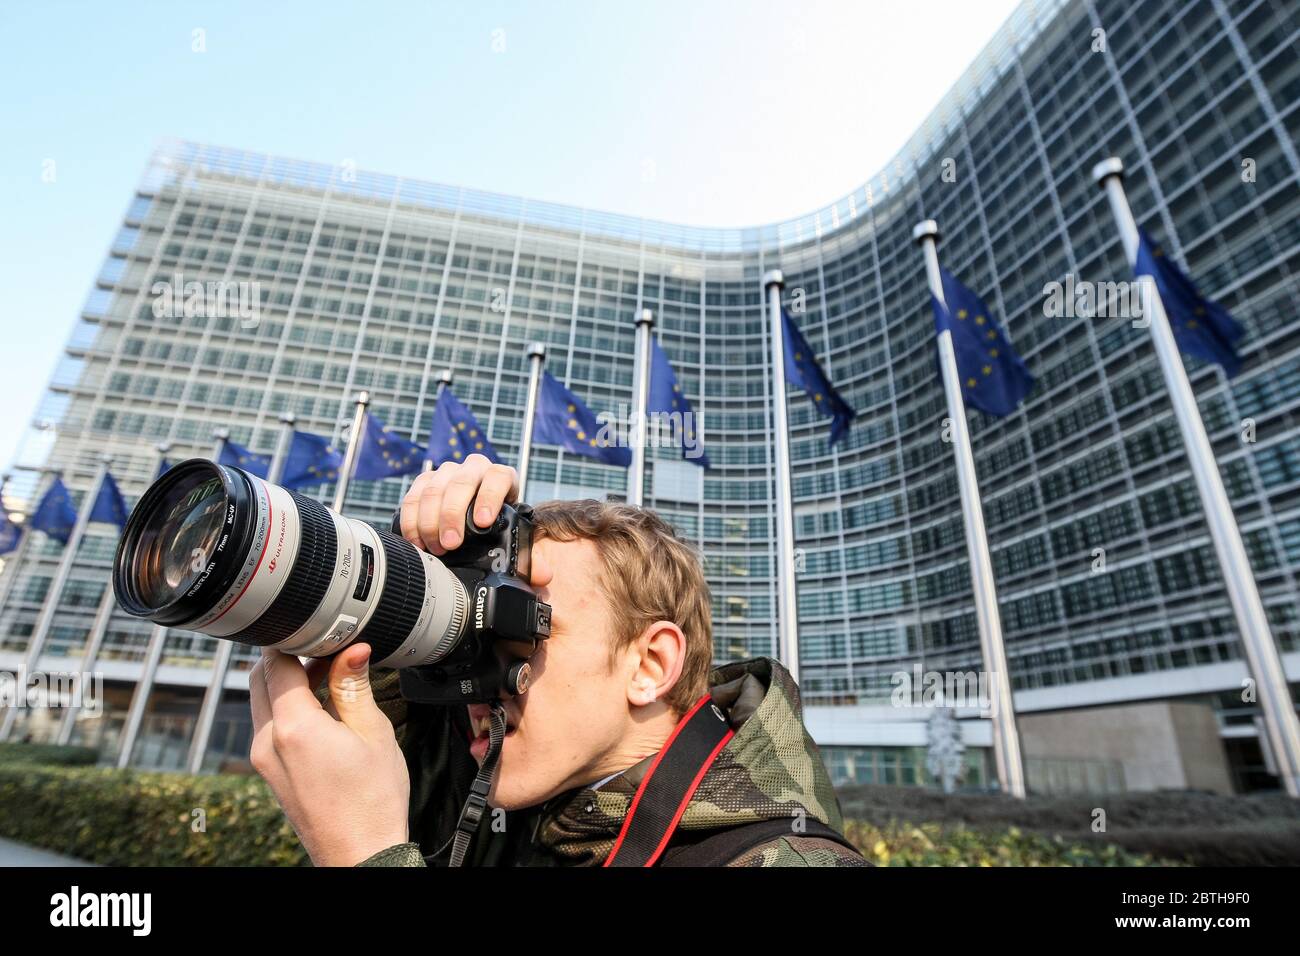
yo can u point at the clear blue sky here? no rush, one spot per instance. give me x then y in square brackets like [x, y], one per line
[710, 112]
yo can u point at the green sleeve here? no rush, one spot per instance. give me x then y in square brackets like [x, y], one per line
[403, 854]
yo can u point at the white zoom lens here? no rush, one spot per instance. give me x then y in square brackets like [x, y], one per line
[217, 550]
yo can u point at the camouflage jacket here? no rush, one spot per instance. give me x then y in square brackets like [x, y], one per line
[770, 769]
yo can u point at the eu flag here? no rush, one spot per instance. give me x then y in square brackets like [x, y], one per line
[384, 453]
[563, 420]
[993, 376]
[55, 514]
[456, 433]
[1201, 327]
[801, 369]
[237, 456]
[164, 466]
[666, 398]
[310, 461]
[110, 506]
[9, 532]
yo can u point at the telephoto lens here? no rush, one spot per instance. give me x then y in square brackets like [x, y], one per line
[213, 549]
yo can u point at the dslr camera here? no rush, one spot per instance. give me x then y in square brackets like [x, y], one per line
[213, 549]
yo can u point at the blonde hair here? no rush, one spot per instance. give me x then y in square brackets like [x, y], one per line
[649, 575]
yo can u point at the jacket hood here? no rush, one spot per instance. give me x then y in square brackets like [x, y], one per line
[770, 769]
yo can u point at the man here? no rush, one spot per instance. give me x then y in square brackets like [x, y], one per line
[366, 777]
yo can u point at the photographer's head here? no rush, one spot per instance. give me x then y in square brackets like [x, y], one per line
[631, 642]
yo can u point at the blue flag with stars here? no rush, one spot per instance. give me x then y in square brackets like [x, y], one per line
[311, 460]
[237, 456]
[164, 466]
[1201, 328]
[384, 453]
[110, 506]
[563, 420]
[55, 514]
[802, 370]
[993, 376]
[456, 433]
[666, 398]
[9, 532]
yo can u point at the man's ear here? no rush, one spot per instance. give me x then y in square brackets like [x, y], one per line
[656, 665]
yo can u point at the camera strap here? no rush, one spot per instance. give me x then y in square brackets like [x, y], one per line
[669, 784]
[476, 804]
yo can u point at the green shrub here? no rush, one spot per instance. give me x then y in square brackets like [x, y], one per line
[1197, 828]
[932, 844]
[130, 818]
[48, 754]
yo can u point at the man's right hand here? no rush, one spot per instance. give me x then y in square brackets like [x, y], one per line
[434, 509]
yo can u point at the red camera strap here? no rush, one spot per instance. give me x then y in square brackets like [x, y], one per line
[669, 785]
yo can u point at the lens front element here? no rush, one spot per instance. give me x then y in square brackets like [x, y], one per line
[171, 554]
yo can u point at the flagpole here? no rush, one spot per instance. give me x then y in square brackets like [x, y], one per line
[95, 640]
[153, 657]
[354, 446]
[1280, 721]
[208, 709]
[640, 400]
[31, 660]
[787, 632]
[225, 649]
[536, 356]
[275, 474]
[1006, 739]
[444, 382]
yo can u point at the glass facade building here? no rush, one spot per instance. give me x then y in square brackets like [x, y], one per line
[370, 281]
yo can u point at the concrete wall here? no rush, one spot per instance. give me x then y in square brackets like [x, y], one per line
[1161, 744]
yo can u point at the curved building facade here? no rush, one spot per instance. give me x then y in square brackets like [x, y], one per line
[1107, 580]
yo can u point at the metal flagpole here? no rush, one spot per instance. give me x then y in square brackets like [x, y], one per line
[93, 643]
[640, 400]
[152, 658]
[354, 446]
[226, 649]
[40, 635]
[140, 698]
[536, 356]
[1280, 722]
[95, 640]
[1006, 739]
[275, 474]
[444, 382]
[787, 599]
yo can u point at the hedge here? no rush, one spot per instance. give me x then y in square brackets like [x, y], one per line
[1179, 826]
[933, 844]
[132, 818]
[48, 754]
